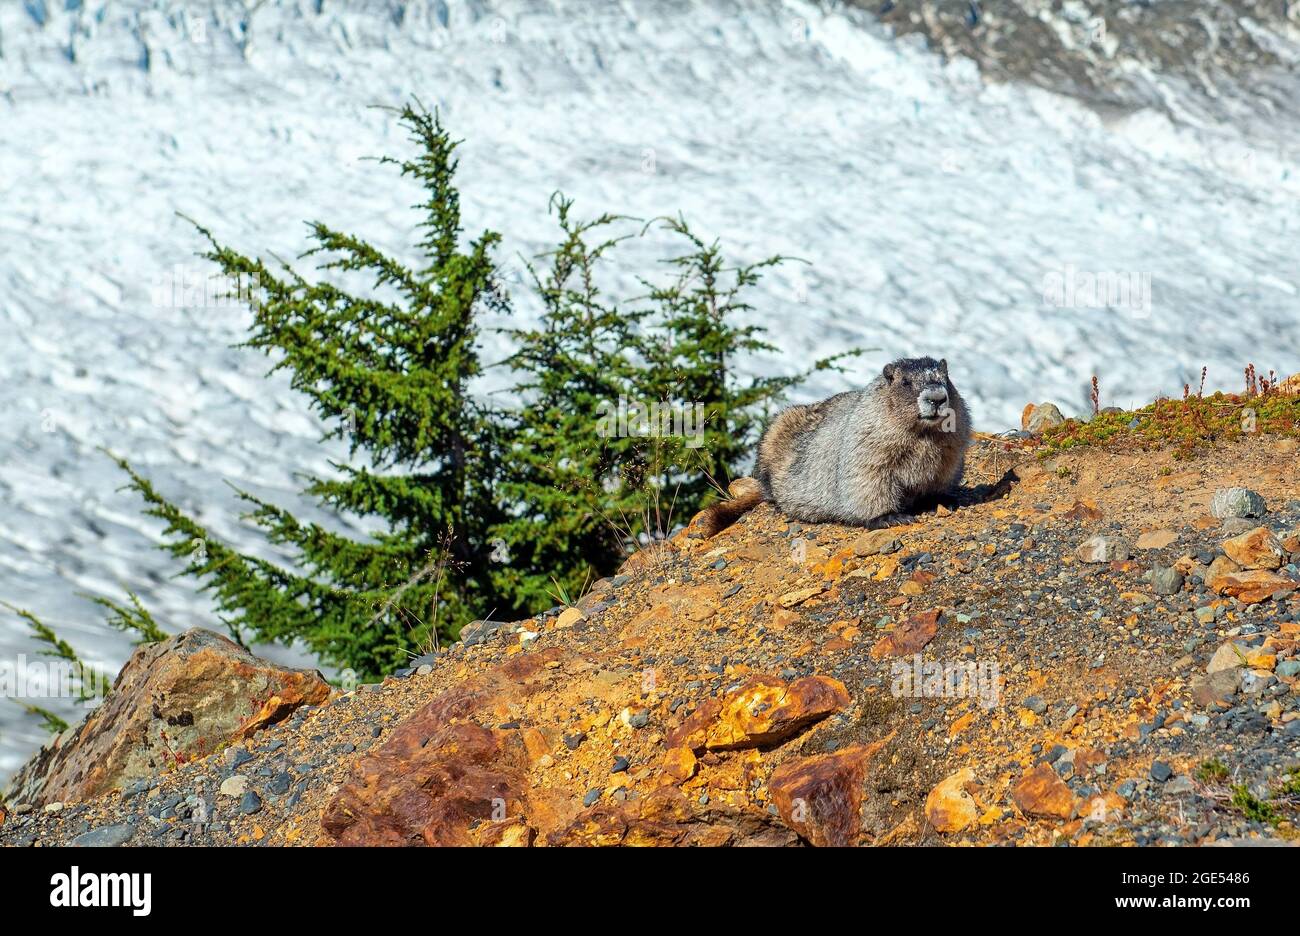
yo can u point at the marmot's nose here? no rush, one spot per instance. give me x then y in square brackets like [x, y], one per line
[935, 396]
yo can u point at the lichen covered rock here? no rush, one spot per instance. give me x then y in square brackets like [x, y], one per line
[174, 701]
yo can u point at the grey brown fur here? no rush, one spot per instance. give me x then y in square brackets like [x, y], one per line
[862, 458]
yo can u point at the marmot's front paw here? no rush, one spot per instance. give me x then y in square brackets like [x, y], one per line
[891, 520]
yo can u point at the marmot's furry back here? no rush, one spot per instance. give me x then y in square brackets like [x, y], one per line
[861, 458]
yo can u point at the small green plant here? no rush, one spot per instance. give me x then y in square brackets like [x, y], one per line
[132, 619]
[561, 595]
[49, 721]
[1212, 771]
[1252, 807]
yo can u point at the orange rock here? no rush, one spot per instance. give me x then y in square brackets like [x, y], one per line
[1254, 586]
[506, 833]
[834, 567]
[536, 744]
[909, 637]
[1156, 539]
[781, 619]
[694, 730]
[950, 807]
[961, 724]
[1087, 759]
[918, 582]
[1260, 659]
[1221, 565]
[1257, 549]
[820, 797]
[568, 617]
[1042, 794]
[666, 805]
[793, 598]
[1083, 510]
[766, 710]
[875, 542]
[439, 774]
[680, 763]
[886, 570]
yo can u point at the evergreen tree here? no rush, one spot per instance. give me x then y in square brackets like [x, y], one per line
[634, 416]
[692, 359]
[571, 493]
[390, 372]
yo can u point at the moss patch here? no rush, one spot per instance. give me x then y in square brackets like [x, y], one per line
[1185, 424]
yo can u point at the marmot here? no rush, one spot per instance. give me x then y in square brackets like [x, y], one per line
[862, 458]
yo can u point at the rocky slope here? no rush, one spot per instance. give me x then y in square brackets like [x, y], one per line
[1092, 657]
[1116, 54]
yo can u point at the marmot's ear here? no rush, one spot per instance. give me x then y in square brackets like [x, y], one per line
[943, 367]
[890, 372]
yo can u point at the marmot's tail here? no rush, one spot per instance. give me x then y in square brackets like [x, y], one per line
[746, 494]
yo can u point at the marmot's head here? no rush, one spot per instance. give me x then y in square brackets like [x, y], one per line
[918, 393]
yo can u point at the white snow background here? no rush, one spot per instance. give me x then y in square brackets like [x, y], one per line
[929, 204]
